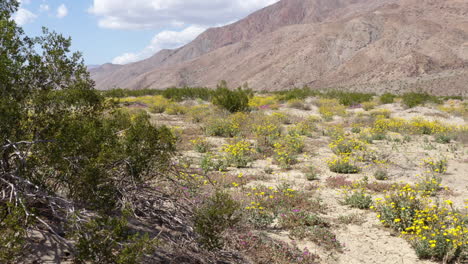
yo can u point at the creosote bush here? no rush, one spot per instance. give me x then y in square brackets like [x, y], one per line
[109, 240]
[232, 100]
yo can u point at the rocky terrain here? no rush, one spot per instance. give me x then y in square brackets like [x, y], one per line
[364, 45]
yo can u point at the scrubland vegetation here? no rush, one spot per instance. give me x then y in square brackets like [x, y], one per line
[267, 160]
[193, 175]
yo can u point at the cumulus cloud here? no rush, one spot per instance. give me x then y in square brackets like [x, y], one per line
[144, 14]
[24, 16]
[163, 40]
[62, 11]
[44, 8]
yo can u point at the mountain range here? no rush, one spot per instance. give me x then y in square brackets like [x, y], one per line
[358, 45]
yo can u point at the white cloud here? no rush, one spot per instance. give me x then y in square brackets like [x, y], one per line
[24, 16]
[142, 14]
[62, 11]
[163, 40]
[44, 8]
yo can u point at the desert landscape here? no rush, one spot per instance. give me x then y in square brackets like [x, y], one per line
[336, 183]
[308, 131]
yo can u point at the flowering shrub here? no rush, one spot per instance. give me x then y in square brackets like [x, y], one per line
[331, 107]
[201, 145]
[439, 232]
[399, 207]
[221, 127]
[239, 154]
[346, 146]
[304, 128]
[286, 149]
[262, 101]
[343, 164]
[435, 166]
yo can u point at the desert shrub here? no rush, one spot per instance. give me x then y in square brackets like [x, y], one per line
[185, 93]
[435, 165]
[210, 162]
[369, 105]
[343, 164]
[322, 236]
[349, 98]
[429, 184]
[296, 93]
[215, 216]
[286, 148]
[357, 198]
[120, 93]
[239, 153]
[176, 109]
[439, 232]
[220, 127]
[425, 127]
[346, 145]
[305, 127]
[64, 147]
[381, 175]
[297, 218]
[338, 182]
[355, 219]
[311, 173]
[13, 227]
[297, 103]
[201, 145]
[381, 113]
[231, 100]
[399, 207]
[387, 98]
[267, 129]
[443, 138]
[413, 99]
[330, 107]
[262, 102]
[109, 240]
[265, 250]
[199, 113]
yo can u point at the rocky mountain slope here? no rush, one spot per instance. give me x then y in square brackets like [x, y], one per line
[365, 45]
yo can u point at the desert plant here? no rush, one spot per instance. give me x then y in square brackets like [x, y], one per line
[201, 145]
[212, 218]
[381, 175]
[357, 198]
[231, 100]
[239, 153]
[369, 105]
[413, 99]
[343, 164]
[109, 240]
[387, 98]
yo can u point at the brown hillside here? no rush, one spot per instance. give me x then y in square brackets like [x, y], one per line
[358, 44]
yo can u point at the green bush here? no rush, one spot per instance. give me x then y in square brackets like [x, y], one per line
[217, 214]
[231, 100]
[184, 93]
[63, 146]
[296, 93]
[109, 240]
[414, 99]
[387, 98]
[13, 226]
[349, 98]
[358, 199]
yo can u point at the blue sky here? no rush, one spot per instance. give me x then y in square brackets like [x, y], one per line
[123, 31]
